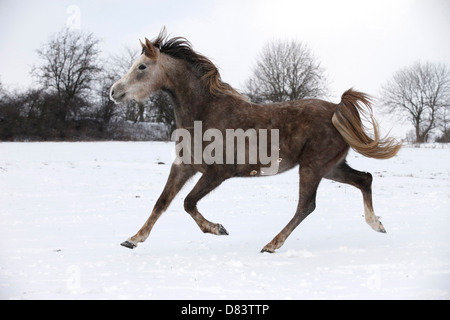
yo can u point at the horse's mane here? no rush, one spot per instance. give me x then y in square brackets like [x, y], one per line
[181, 48]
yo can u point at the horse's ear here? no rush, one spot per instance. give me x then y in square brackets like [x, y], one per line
[149, 49]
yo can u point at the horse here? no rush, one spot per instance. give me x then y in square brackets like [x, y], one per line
[313, 134]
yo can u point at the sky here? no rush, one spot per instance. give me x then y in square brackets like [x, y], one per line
[360, 43]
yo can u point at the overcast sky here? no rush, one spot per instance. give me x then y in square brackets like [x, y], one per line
[359, 43]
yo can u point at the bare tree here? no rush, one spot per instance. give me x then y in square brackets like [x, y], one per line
[420, 92]
[445, 125]
[113, 68]
[70, 65]
[284, 71]
[106, 109]
[121, 63]
[2, 90]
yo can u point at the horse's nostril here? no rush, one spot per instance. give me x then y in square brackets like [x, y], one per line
[112, 92]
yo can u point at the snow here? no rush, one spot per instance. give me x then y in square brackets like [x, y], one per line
[66, 207]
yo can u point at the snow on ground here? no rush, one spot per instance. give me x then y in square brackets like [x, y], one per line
[66, 207]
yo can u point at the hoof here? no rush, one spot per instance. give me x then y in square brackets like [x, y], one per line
[222, 230]
[381, 228]
[377, 226]
[128, 244]
[267, 250]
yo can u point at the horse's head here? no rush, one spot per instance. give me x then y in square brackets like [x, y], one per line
[143, 78]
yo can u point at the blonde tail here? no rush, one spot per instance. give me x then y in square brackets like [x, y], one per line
[347, 120]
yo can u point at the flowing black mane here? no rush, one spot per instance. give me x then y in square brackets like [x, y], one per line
[181, 48]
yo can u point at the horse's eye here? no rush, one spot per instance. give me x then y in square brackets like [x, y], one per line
[142, 67]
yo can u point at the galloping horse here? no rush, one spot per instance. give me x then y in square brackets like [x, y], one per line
[311, 133]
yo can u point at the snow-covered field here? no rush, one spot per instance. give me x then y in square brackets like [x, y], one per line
[66, 207]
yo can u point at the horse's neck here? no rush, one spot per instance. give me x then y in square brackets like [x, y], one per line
[188, 93]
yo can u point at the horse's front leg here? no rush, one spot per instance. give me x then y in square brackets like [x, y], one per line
[179, 175]
[210, 180]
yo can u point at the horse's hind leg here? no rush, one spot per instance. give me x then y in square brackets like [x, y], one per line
[208, 182]
[363, 181]
[309, 182]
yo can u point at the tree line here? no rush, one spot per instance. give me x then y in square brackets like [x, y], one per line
[71, 98]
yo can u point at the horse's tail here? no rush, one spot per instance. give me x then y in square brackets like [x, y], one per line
[347, 120]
